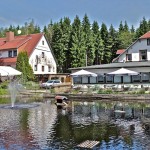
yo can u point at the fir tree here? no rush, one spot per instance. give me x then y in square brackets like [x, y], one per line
[77, 44]
[98, 44]
[66, 29]
[88, 37]
[57, 46]
[107, 47]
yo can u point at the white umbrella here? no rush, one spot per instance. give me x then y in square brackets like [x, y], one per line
[84, 73]
[8, 71]
[123, 71]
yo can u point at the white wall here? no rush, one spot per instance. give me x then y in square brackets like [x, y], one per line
[134, 50]
[48, 60]
[4, 54]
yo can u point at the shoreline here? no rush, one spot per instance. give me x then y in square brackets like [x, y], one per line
[85, 96]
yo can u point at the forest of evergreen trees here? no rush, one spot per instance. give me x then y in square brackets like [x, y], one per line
[82, 43]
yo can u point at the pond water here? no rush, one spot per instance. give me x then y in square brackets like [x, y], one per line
[115, 125]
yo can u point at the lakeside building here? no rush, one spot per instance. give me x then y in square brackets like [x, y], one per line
[136, 58]
[41, 57]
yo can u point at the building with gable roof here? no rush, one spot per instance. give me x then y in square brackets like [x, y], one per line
[136, 58]
[41, 57]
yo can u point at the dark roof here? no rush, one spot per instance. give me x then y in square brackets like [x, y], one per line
[117, 65]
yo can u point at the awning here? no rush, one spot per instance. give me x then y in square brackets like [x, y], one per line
[123, 71]
[84, 73]
[8, 71]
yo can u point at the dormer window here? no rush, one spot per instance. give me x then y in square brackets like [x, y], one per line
[128, 57]
[148, 41]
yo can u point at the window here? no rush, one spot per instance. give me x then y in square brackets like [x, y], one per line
[42, 54]
[12, 53]
[42, 42]
[109, 79]
[42, 68]
[128, 57]
[35, 67]
[9, 53]
[49, 69]
[36, 59]
[145, 77]
[100, 79]
[148, 41]
[15, 53]
[143, 55]
[135, 78]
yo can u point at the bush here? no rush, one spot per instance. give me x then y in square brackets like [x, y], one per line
[4, 85]
[141, 91]
[105, 91]
[3, 91]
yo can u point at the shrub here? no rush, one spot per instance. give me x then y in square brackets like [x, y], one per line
[3, 91]
[4, 85]
[105, 91]
[141, 91]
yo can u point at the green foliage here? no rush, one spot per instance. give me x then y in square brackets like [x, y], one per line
[4, 100]
[107, 44]
[4, 84]
[105, 91]
[98, 44]
[141, 91]
[77, 44]
[89, 41]
[23, 65]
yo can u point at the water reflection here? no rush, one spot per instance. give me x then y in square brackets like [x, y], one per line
[115, 125]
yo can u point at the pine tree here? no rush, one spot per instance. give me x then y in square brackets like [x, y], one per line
[114, 43]
[49, 31]
[66, 29]
[57, 46]
[126, 27]
[77, 44]
[143, 28]
[121, 28]
[107, 47]
[88, 37]
[98, 44]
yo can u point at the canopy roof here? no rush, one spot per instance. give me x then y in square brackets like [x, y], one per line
[8, 71]
[123, 71]
[83, 73]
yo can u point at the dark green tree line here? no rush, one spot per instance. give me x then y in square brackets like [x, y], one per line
[81, 42]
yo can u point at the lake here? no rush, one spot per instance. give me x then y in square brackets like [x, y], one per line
[115, 125]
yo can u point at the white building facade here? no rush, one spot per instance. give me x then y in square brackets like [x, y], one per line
[135, 58]
[41, 57]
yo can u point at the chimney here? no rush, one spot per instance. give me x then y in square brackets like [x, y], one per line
[9, 36]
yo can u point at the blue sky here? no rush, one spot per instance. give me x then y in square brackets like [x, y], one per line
[17, 12]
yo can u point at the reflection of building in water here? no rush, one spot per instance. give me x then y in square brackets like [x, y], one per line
[126, 111]
[84, 113]
[41, 121]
